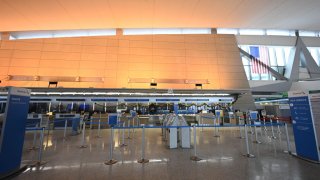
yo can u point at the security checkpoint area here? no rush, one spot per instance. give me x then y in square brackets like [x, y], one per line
[103, 137]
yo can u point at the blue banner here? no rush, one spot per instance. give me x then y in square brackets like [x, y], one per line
[303, 128]
[13, 130]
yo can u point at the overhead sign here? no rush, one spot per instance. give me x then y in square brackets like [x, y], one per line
[303, 126]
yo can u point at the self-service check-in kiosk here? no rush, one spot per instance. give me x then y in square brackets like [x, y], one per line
[13, 130]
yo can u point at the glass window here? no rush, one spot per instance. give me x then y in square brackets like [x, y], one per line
[245, 61]
[280, 56]
[247, 70]
[273, 60]
[227, 31]
[252, 32]
[287, 51]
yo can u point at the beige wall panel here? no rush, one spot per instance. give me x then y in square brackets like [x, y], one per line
[113, 50]
[58, 64]
[169, 38]
[232, 69]
[22, 71]
[169, 60]
[140, 67]
[110, 73]
[141, 44]
[169, 74]
[197, 68]
[141, 51]
[28, 46]
[92, 57]
[92, 65]
[24, 63]
[234, 84]
[5, 44]
[58, 72]
[26, 54]
[123, 66]
[169, 67]
[6, 53]
[94, 41]
[197, 75]
[52, 55]
[91, 73]
[137, 38]
[169, 52]
[113, 42]
[121, 50]
[62, 47]
[196, 60]
[140, 74]
[111, 65]
[4, 61]
[197, 46]
[110, 82]
[212, 61]
[140, 59]
[196, 39]
[73, 40]
[139, 85]
[168, 45]
[4, 70]
[196, 53]
[94, 49]
[30, 40]
[124, 43]
[123, 58]
[111, 57]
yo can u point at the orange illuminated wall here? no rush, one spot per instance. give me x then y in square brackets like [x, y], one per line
[119, 58]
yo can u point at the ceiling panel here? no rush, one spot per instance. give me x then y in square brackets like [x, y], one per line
[19, 15]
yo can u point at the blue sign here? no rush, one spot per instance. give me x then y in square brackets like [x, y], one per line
[13, 130]
[112, 119]
[303, 128]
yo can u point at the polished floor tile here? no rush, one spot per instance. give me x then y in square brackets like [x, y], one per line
[222, 157]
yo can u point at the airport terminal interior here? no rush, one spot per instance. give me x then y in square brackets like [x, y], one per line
[159, 89]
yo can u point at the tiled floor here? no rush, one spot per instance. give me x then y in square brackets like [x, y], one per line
[222, 158]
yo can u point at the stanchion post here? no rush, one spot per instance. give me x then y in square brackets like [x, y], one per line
[65, 129]
[272, 130]
[83, 135]
[123, 132]
[39, 162]
[34, 139]
[99, 126]
[111, 161]
[128, 120]
[143, 159]
[256, 135]
[288, 140]
[240, 129]
[195, 157]
[247, 143]
[216, 130]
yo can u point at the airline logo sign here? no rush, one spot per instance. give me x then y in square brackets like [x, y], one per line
[19, 91]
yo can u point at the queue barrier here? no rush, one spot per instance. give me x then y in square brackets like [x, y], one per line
[143, 159]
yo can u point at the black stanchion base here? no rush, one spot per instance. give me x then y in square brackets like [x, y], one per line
[195, 158]
[288, 152]
[83, 146]
[257, 142]
[123, 145]
[216, 136]
[249, 155]
[241, 137]
[98, 136]
[38, 163]
[142, 161]
[128, 138]
[110, 162]
[33, 148]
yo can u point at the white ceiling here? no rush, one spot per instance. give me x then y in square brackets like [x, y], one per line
[21, 15]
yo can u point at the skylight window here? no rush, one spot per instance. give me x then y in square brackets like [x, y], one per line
[227, 31]
[145, 31]
[61, 33]
[252, 32]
